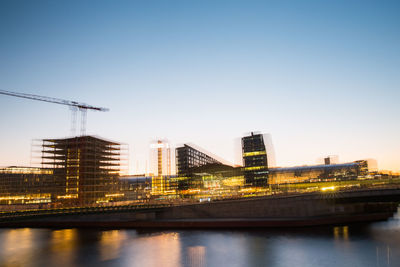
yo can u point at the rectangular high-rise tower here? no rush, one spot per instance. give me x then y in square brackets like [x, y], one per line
[255, 164]
[160, 157]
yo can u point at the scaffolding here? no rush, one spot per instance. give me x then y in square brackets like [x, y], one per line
[87, 166]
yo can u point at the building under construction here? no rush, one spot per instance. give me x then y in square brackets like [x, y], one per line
[88, 166]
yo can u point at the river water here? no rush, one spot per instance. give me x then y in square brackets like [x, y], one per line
[376, 244]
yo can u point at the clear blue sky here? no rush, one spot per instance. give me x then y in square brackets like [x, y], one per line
[323, 77]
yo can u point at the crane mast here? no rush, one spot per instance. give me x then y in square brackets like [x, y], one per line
[74, 107]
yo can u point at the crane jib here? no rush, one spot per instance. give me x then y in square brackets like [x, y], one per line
[73, 104]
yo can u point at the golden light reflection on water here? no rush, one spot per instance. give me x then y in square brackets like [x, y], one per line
[342, 239]
[341, 233]
[111, 243]
[163, 249]
[63, 245]
[333, 246]
[18, 239]
[19, 242]
[169, 249]
[63, 240]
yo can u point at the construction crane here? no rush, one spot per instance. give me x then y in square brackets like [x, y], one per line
[74, 107]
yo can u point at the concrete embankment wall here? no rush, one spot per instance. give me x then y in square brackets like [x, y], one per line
[300, 206]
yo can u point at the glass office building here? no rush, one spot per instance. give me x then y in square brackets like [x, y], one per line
[255, 163]
[188, 157]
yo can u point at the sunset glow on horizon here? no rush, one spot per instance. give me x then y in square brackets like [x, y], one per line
[321, 78]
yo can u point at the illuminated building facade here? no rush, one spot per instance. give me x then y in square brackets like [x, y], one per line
[25, 185]
[161, 166]
[160, 157]
[255, 164]
[88, 166]
[136, 187]
[211, 179]
[316, 173]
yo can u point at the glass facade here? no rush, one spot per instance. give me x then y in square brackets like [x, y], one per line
[318, 173]
[25, 185]
[255, 164]
[187, 158]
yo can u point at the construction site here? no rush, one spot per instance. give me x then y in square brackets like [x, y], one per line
[75, 171]
[88, 167]
[83, 170]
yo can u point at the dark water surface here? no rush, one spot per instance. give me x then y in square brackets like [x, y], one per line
[376, 244]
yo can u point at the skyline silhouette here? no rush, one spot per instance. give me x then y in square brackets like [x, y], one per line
[321, 78]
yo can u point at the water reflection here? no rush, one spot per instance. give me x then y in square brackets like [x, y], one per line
[15, 243]
[63, 244]
[341, 233]
[111, 243]
[154, 249]
[196, 256]
[63, 240]
[387, 238]
[346, 245]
